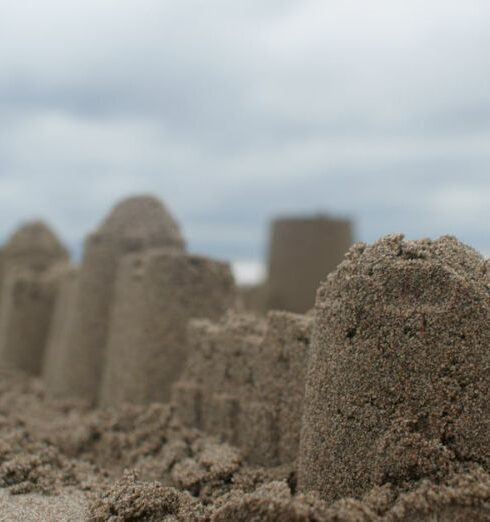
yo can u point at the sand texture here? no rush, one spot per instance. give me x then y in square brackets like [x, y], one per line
[133, 389]
[157, 292]
[244, 382]
[399, 374]
[60, 461]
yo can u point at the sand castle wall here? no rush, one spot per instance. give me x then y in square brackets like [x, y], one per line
[398, 380]
[302, 252]
[244, 382]
[157, 292]
[136, 224]
[31, 262]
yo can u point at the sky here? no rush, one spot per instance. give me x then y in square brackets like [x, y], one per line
[234, 112]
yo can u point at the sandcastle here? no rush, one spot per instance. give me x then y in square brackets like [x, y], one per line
[398, 381]
[32, 261]
[244, 382]
[136, 224]
[302, 252]
[374, 406]
[157, 292]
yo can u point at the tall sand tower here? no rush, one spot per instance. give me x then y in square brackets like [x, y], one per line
[157, 292]
[136, 224]
[398, 380]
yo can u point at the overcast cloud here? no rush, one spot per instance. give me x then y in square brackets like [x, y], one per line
[235, 111]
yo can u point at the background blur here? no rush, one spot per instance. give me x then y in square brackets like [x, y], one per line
[235, 111]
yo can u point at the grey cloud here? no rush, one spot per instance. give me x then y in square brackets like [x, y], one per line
[234, 112]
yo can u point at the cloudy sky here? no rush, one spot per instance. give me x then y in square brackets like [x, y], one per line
[236, 111]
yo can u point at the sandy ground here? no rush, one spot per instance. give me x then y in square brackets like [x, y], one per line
[61, 461]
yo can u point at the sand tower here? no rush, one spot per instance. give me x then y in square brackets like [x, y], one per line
[244, 382]
[60, 328]
[302, 252]
[35, 247]
[32, 259]
[398, 381]
[157, 292]
[135, 224]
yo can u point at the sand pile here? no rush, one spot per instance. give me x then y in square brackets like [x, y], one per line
[398, 383]
[138, 463]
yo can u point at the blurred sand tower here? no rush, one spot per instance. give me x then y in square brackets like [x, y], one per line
[157, 292]
[33, 258]
[135, 224]
[60, 328]
[302, 252]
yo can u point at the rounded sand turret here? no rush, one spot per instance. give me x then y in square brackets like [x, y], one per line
[134, 225]
[142, 222]
[399, 375]
[31, 260]
[33, 246]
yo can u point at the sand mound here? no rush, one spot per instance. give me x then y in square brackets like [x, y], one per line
[131, 499]
[397, 388]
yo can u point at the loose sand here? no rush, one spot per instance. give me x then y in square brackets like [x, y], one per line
[62, 462]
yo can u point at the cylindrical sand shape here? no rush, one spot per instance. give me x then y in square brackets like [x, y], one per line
[157, 293]
[30, 260]
[27, 304]
[302, 252]
[280, 377]
[54, 364]
[399, 374]
[244, 382]
[136, 224]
